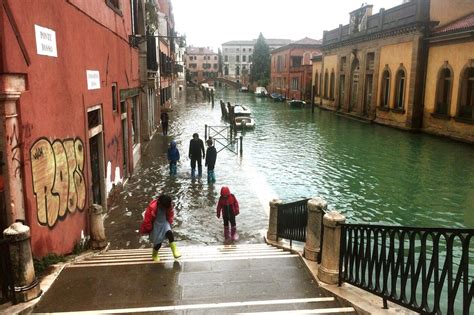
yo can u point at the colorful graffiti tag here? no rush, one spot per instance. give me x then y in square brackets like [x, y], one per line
[58, 178]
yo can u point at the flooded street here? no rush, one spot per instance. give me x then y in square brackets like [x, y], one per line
[370, 173]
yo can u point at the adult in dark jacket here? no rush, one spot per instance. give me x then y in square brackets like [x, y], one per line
[164, 122]
[196, 154]
[211, 156]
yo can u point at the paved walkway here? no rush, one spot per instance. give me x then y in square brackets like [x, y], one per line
[250, 278]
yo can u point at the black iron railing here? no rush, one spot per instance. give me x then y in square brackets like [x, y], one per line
[428, 270]
[7, 288]
[292, 219]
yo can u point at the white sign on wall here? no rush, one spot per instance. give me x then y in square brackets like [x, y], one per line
[45, 41]
[93, 79]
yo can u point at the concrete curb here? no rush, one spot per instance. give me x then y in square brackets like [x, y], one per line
[364, 303]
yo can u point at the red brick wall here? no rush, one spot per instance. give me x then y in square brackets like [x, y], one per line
[89, 36]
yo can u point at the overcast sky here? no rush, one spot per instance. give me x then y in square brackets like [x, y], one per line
[210, 23]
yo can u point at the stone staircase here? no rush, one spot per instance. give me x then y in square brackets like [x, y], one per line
[244, 279]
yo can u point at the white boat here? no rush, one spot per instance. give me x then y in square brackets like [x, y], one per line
[244, 122]
[261, 91]
[242, 117]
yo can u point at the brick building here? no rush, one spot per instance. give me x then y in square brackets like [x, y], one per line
[75, 112]
[291, 68]
[201, 63]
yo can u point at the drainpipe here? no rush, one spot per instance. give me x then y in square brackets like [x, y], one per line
[11, 87]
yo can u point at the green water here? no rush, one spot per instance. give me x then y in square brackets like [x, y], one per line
[370, 173]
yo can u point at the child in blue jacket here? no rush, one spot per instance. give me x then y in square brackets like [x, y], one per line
[173, 157]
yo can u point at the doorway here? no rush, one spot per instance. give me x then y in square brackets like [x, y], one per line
[96, 155]
[354, 85]
[368, 95]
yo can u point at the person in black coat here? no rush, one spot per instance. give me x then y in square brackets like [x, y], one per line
[211, 156]
[164, 122]
[196, 147]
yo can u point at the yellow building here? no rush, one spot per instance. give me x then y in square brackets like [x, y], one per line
[449, 92]
[376, 67]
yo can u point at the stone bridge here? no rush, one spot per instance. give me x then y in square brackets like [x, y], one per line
[231, 83]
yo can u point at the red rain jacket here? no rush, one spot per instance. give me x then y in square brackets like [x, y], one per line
[230, 200]
[150, 215]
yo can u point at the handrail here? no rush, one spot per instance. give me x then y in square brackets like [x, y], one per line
[292, 219]
[428, 270]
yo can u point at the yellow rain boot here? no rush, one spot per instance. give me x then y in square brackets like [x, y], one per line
[155, 256]
[174, 249]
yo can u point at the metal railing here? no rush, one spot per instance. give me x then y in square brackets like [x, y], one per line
[428, 270]
[292, 219]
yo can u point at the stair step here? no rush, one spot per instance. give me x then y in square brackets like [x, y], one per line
[229, 306]
[189, 254]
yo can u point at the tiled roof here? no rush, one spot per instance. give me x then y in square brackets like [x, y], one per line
[466, 22]
[307, 41]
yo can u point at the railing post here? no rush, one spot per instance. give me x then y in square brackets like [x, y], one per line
[329, 269]
[205, 132]
[24, 278]
[241, 146]
[273, 220]
[312, 248]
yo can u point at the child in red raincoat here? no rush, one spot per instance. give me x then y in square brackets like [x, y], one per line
[228, 206]
[157, 222]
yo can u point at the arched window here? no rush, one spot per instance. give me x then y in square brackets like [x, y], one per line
[237, 70]
[466, 100]
[326, 85]
[443, 91]
[385, 91]
[400, 81]
[331, 85]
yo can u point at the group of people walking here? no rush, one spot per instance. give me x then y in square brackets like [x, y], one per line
[159, 215]
[196, 155]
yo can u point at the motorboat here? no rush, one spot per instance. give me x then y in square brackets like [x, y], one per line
[242, 117]
[244, 89]
[244, 122]
[277, 97]
[261, 91]
[296, 103]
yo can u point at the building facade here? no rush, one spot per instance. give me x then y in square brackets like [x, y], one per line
[291, 69]
[201, 63]
[406, 67]
[237, 57]
[72, 108]
[449, 85]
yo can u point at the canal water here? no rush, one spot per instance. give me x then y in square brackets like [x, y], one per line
[370, 173]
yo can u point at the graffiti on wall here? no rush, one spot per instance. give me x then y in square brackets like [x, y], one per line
[58, 178]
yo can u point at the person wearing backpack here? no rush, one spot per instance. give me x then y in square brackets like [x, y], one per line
[211, 156]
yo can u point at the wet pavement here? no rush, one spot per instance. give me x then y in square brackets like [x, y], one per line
[205, 280]
[195, 200]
